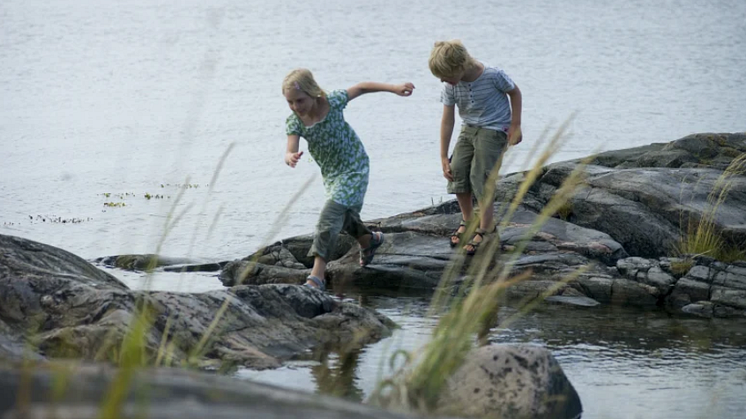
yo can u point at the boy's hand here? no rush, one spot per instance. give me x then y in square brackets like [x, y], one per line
[291, 159]
[405, 89]
[515, 135]
[446, 164]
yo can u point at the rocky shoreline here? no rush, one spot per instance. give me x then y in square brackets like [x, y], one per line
[622, 226]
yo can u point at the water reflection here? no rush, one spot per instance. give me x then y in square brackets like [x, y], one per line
[335, 374]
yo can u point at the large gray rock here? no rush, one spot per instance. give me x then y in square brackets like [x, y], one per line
[645, 197]
[712, 150]
[72, 309]
[510, 382]
[643, 209]
[169, 394]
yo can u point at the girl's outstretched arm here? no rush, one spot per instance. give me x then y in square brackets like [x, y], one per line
[292, 155]
[404, 89]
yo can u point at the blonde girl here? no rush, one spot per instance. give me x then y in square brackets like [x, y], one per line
[317, 116]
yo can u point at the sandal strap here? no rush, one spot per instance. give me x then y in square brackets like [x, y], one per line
[316, 280]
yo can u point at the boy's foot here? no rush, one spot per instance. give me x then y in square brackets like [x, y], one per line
[315, 282]
[366, 255]
[456, 235]
[478, 239]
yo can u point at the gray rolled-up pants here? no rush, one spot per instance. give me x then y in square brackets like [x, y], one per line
[335, 218]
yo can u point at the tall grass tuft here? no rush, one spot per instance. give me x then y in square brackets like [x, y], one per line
[702, 236]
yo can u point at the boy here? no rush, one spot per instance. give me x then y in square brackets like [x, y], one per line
[490, 124]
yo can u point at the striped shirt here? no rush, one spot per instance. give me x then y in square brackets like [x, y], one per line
[483, 102]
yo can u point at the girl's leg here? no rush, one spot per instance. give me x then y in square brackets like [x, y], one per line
[319, 269]
[369, 241]
[331, 221]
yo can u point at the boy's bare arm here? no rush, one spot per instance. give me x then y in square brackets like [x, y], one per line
[404, 89]
[515, 135]
[446, 131]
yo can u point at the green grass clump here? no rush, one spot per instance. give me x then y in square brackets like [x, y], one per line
[702, 236]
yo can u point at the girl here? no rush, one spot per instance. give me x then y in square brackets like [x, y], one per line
[317, 117]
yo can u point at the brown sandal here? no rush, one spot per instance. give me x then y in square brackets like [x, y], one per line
[456, 235]
[475, 244]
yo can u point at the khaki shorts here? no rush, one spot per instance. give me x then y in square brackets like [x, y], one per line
[333, 219]
[476, 153]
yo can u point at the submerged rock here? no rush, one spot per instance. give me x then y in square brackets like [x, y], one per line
[151, 262]
[69, 308]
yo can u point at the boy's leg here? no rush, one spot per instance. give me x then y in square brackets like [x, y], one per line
[329, 226]
[464, 202]
[489, 148]
[461, 166]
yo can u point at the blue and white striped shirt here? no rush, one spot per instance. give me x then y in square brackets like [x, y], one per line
[483, 102]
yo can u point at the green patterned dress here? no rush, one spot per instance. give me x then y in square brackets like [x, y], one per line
[338, 151]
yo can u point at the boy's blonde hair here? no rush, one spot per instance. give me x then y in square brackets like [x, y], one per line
[302, 79]
[449, 58]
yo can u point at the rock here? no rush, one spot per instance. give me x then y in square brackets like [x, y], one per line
[596, 287]
[246, 272]
[630, 267]
[731, 277]
[12, 347]
[142, 262]
[573, 301]
[643, 198]
[76, 310]
[703, 309]
[709, 309]
[202, 267]
[659, 279]
[563, 236]
[729, 297]
[171, 393]
[616, 158]
[510, 381]
[405, 260]
[688, 290]
[631, 293]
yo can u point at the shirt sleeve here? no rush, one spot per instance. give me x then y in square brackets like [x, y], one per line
[447, 95]
[292, 126]
[338, 99]
[502, 81]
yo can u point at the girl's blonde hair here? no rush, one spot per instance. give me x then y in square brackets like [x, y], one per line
[449, 58]
[302, 79]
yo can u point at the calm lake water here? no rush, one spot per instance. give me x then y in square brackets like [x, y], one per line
[171, 113]
[623, 363]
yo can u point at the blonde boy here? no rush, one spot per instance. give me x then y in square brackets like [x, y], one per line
[489, 105]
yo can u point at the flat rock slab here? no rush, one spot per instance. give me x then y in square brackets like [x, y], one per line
[69, 308]
[170, 394]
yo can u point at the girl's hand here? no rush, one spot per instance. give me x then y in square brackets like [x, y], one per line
[405, 89]
[291, 159]
[446, 164]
